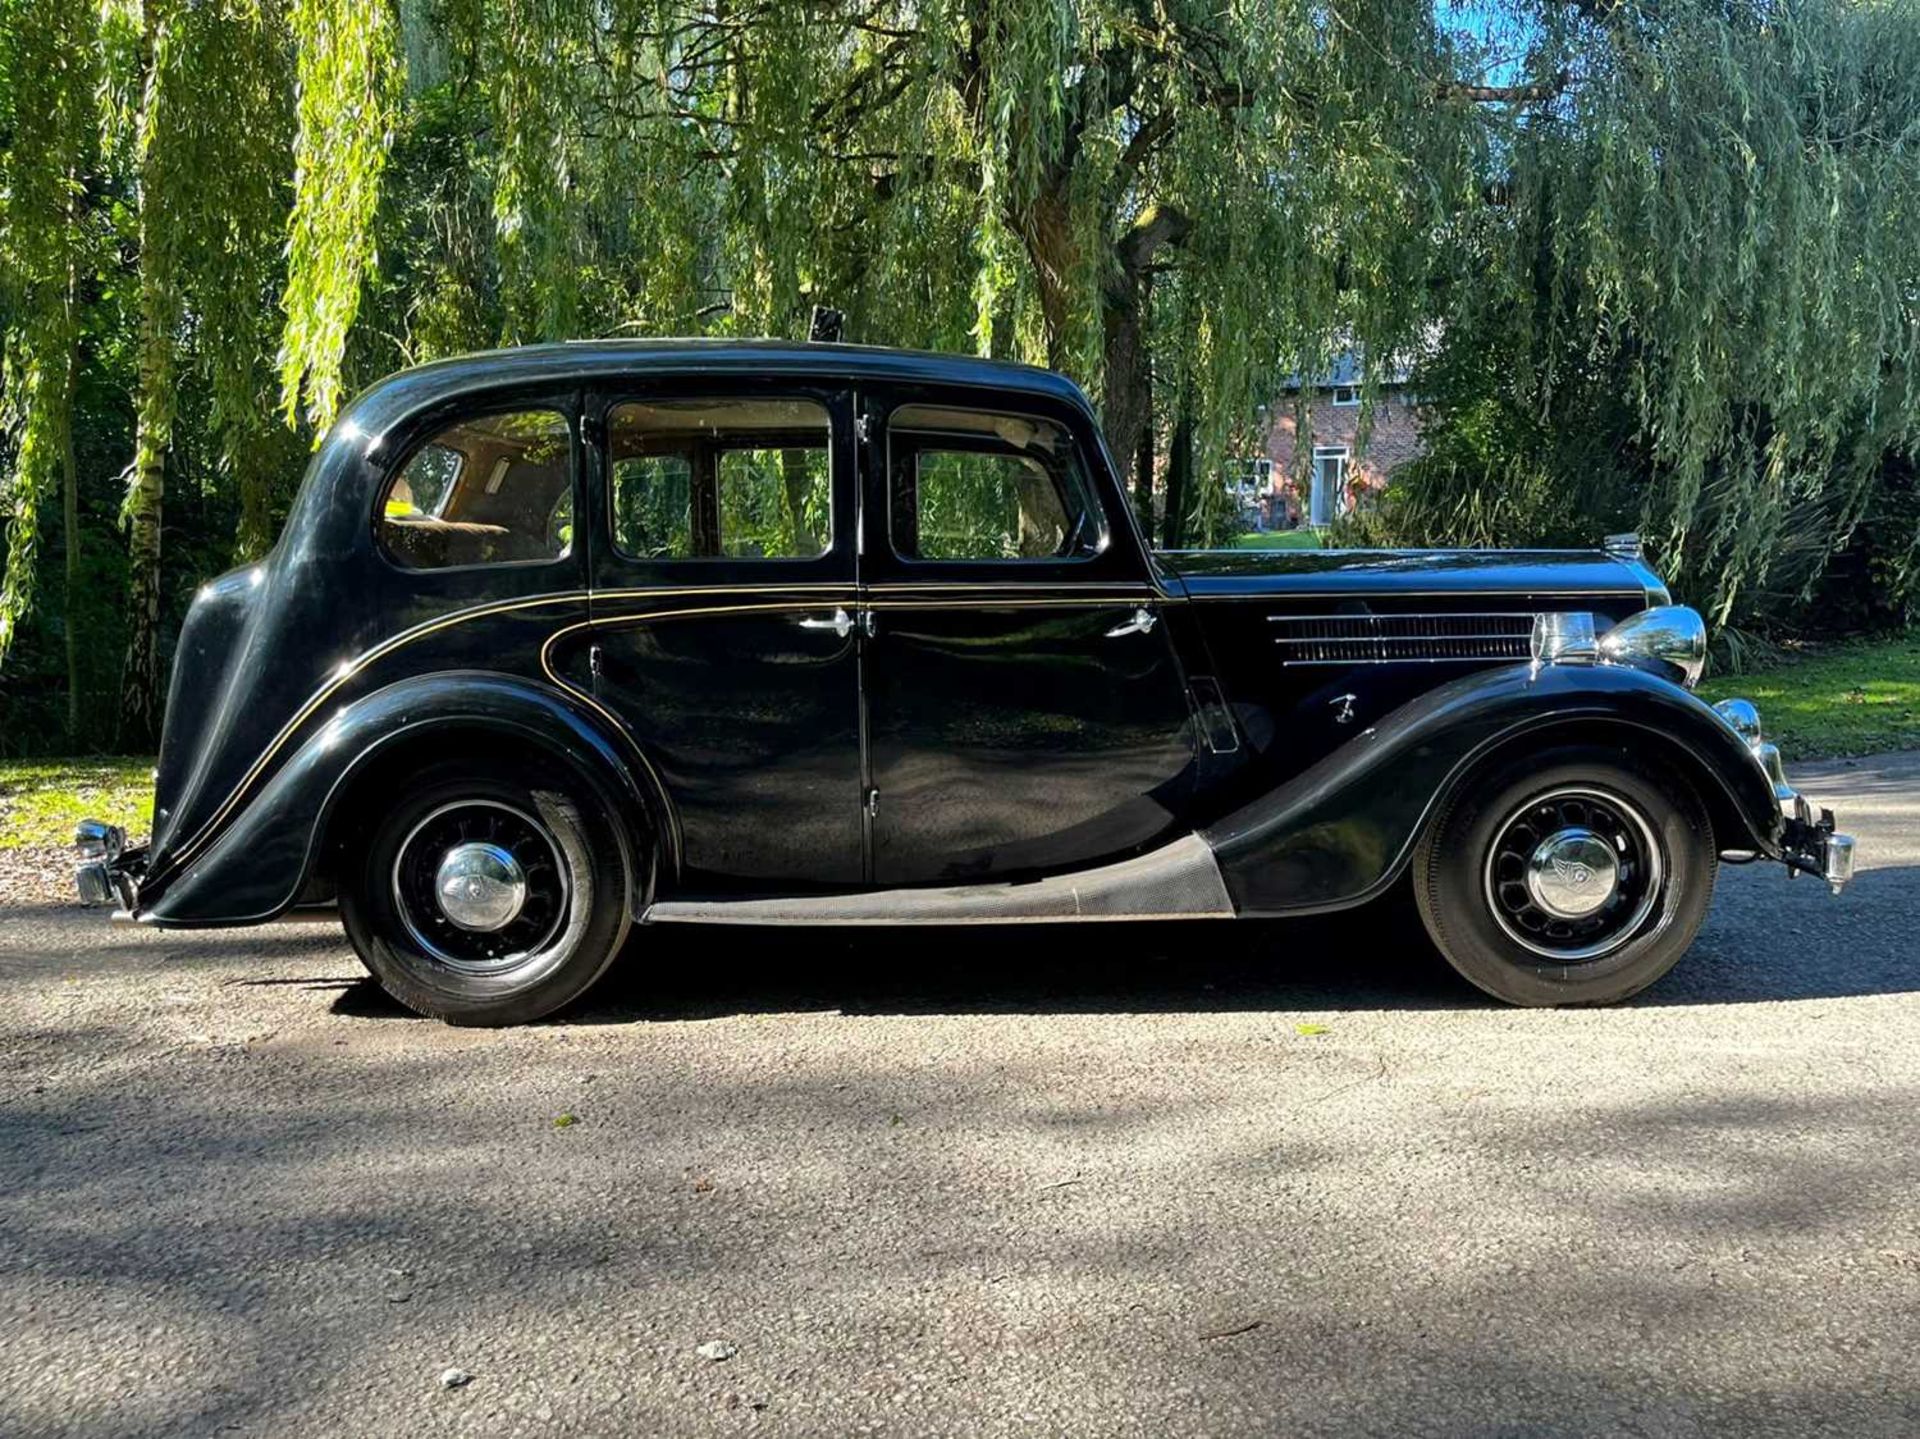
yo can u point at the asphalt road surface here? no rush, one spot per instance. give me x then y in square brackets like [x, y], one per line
[1287, 1179]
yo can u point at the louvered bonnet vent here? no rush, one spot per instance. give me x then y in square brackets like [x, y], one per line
[1402, 639]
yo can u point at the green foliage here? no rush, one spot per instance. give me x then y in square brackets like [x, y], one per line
[1699, 284]
[1498, 472]
[41, 802]
[1844, 700]
[349, 90]
[50, 127]
[1659, 273]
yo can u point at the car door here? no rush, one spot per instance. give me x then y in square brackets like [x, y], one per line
[722, 636]
[1026, 713]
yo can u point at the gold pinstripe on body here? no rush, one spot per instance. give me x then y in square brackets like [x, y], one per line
[1018, 594]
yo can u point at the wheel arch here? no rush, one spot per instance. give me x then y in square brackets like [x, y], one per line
[488, 741]
[1730, 819]
[286, 833]
[1342, 832]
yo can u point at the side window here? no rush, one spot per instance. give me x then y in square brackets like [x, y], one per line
[969, 485]
[746, 479]
[491, 490]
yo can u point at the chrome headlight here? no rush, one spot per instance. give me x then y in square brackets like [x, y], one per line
[1670, 638]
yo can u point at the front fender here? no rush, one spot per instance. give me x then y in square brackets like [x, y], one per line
[1342, 831]
[254, 870]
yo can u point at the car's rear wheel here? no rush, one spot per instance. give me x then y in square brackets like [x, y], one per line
[1577, 876]
[484, 900]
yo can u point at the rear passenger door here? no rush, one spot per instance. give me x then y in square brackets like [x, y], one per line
[723, 633]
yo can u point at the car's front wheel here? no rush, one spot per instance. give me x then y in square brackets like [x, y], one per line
[1577, 876]
[484, 900]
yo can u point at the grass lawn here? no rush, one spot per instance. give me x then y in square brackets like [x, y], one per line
[1278, 540]
[1844, 700]
[41, 800]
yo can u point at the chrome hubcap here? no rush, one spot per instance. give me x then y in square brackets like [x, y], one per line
[480, 886]
[1575, 874]
[1572, 873]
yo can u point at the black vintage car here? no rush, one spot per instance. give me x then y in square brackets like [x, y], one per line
[566, 639]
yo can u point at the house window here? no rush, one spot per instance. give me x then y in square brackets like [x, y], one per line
[1346, 395]
[1329, 495]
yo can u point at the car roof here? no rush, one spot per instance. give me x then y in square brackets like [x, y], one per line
[408, 391]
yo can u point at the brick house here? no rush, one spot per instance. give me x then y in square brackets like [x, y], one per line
[1316, 489]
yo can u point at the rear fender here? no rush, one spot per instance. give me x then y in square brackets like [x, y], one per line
[1342, 831]
[256, 869]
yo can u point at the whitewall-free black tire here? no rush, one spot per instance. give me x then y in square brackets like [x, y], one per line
[1572, 876]
[484, 900]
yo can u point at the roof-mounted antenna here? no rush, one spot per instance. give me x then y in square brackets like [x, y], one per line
[825, 326]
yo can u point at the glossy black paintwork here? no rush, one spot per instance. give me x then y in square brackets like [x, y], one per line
[1383, 574]
[257, 866]
[1010, 738]
[1340, 831]
[751, 719]
[1291, 716]
[1006, 732]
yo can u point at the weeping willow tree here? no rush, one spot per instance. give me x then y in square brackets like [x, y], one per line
[1010, 176]
[1660, 261]
[48, 55]
[1697, 280]
[211, 138]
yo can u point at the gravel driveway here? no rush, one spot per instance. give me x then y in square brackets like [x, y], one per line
[1205, 1179]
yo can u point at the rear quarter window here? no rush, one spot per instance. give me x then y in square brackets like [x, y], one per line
[492, 489]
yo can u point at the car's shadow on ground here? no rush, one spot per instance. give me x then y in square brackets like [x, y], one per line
[1767, 940]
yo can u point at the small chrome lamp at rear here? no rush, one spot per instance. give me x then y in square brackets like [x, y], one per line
[98, 846]
[1564, 637]
[1836, 866]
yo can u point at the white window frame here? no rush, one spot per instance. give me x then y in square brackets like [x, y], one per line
[1346, 397]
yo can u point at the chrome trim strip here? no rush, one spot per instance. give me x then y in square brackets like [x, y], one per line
[1359, 593]
[1417, 660]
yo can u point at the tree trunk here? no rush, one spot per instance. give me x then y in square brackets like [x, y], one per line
[1045, 228]
[793, 478]
[140, 686]
[1179, 472]
[153, 425]
[1127, 392]
[1143, 452]
[70, 519]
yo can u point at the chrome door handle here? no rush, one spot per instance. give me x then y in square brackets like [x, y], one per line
[841, 623]
[1142, 623]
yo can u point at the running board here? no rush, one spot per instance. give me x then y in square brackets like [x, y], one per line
[1178, 881]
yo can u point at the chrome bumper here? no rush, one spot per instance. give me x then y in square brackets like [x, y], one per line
[1809, 843]
[105, 870]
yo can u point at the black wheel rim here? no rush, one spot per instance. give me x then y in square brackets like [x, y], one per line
[534, 852]
[1557, 845]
